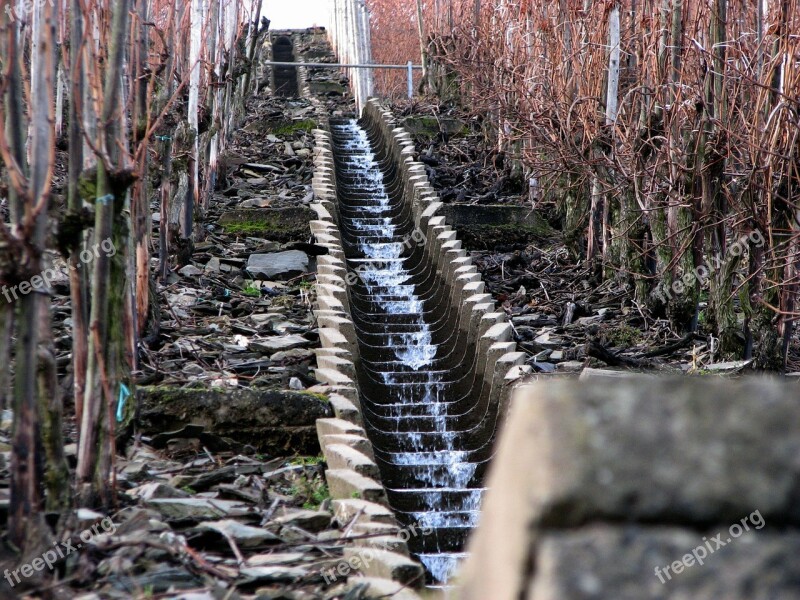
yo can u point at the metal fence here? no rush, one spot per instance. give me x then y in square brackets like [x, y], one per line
[409, 67]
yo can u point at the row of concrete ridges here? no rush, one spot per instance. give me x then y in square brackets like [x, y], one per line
[359, 500]
[352, 475]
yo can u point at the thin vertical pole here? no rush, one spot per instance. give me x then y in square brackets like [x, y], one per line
[410, 80]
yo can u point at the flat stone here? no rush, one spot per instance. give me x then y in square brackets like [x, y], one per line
[734, 365]
[548, 340]
[212, 266]
[244, 535]
[293, 354]
[388, 565]
[190, 271]
[255, 203]
[272, 574]
[156, 489]
[590, 320]
[278, 343]
[282, 265]
[309, 520]
[570, 365]
[267, 318]
[198, 509]
[276, 558]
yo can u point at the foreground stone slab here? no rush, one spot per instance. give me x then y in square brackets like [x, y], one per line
[676, 451]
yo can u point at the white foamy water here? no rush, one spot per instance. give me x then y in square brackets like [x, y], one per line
[442, 566]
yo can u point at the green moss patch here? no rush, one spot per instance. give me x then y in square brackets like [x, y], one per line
[277, 224]
[291, 128]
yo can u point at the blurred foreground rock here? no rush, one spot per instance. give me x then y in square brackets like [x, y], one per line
[618, 492]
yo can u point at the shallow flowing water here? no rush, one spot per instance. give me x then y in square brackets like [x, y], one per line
[406, 403]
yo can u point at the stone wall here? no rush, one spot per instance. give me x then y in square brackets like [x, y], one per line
[677, 488]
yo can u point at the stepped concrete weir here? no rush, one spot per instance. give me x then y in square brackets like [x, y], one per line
[419, 361]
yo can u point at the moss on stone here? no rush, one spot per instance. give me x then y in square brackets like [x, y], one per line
[290, 128]
[431, 126]
[248, 227]
[278, 224]
[490, 237]
[316, 395]
[273, 421]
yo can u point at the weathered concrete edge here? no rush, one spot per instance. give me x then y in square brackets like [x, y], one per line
[476, 311]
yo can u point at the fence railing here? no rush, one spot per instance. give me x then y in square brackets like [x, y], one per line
[410, 67]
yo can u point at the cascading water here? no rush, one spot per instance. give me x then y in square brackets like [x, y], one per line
[431, 463]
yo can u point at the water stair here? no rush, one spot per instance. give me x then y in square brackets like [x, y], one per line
[418, 357]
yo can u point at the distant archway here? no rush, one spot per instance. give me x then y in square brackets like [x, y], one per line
[284, 78]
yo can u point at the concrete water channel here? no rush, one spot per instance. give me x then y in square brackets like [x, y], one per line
[429, 346]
